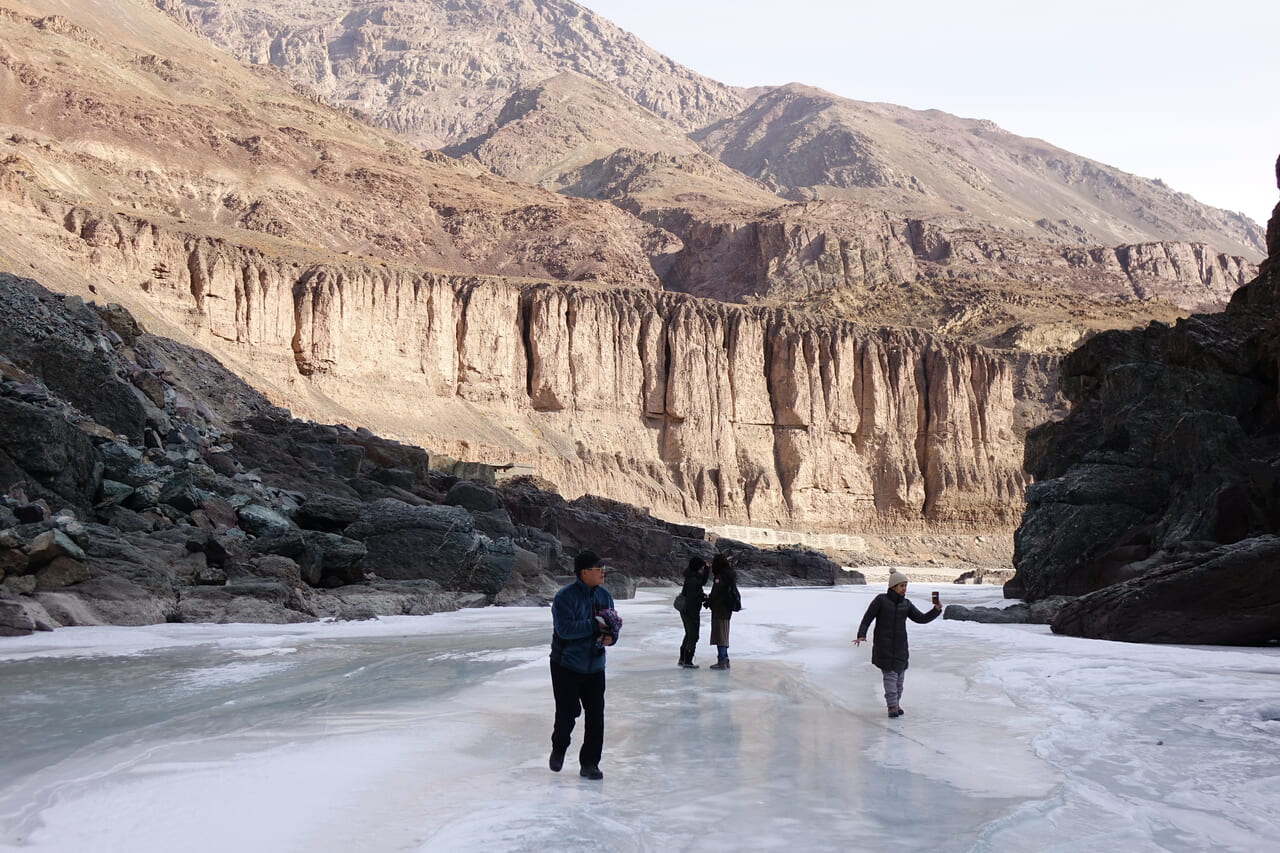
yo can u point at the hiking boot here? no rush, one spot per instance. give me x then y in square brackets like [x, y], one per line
[556, 761]
[591, 771]
[720, 664]
[894, 713]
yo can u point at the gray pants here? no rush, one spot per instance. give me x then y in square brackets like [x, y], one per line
[893, 682]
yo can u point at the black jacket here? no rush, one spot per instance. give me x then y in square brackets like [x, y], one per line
[692, 591]
[724, 598]
[889, 643]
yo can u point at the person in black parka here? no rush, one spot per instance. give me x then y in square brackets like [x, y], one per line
[724, 601]
[890, 611]
[694, 578]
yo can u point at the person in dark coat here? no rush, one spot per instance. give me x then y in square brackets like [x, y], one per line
[694, 578]
[583, 624]
[890, 611]
[724, 600]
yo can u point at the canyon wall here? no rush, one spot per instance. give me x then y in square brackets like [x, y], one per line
[696, 409]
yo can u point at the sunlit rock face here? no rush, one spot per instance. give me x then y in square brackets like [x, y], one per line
[693, 408]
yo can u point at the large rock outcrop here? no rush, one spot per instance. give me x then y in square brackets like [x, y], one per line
[1159, 496]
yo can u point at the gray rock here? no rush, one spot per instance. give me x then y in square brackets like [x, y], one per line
[431, 542]
[60, 572]
[264, 602]
[276, 567]
[50, 545]
[327, 513]
[473, 497]
[14, 619]
[13, 561]
[1040, 612]
[339, 556]
[113, 492]
[180, 492]
[19, 584]
[260, 520]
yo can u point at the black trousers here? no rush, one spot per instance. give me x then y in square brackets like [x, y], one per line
[577, 692]
[692, 626]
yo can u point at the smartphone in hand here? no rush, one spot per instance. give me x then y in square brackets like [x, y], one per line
[935, 598]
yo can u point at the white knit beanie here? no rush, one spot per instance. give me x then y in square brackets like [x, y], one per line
[896, 577]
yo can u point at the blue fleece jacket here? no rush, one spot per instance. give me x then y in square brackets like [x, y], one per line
[573, 619]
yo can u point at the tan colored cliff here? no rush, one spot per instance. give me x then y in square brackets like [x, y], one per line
[691, 407]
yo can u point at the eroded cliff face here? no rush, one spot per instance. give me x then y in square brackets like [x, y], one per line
[693, 408]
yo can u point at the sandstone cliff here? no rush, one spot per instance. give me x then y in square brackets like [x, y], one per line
[693, 408]
[120, 108]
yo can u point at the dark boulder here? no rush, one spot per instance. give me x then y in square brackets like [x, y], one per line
[431, 542]
[327, 513]
[41, 448]
[262, 601]
[14, 619]
[1040, 612]
[781, 565]
[1226, 596]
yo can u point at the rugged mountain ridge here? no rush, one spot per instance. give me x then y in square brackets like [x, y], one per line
[149, 118]
[438, 73]
[959, 172]
[890, 207]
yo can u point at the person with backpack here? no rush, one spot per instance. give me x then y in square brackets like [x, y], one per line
[689, 603]
[724, 600]
[890, 611]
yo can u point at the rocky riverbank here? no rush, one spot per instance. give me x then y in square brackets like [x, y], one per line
[141, 483]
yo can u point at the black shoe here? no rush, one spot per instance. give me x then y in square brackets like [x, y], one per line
[688, 664]
[591, 772]
[723, 664]
[556, 761]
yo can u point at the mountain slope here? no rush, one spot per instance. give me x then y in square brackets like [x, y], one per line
[811, 144]
[438, 72]
[563, 123]
[129, 112]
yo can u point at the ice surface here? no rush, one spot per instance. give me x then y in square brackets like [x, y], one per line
[431, 734]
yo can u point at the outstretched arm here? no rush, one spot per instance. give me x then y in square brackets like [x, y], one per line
[873, 609]
[923, 617]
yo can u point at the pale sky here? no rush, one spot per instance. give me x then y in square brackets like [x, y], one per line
[1171, 89]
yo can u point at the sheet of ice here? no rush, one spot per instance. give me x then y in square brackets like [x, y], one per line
[431, 734]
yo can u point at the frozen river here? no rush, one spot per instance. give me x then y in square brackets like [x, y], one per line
[432, 733]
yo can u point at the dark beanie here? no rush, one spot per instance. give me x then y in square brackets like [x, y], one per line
[586, 560]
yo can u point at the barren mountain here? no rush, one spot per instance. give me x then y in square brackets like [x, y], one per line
[867, 211]
[566, 122]
[959, 172]
[440, 72]
[127, 111]
[125, 139]
[738, 243]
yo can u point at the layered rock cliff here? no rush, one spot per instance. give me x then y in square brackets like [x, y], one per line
[1158, 498]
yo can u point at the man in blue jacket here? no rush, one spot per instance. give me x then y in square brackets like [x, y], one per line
[584, 623]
